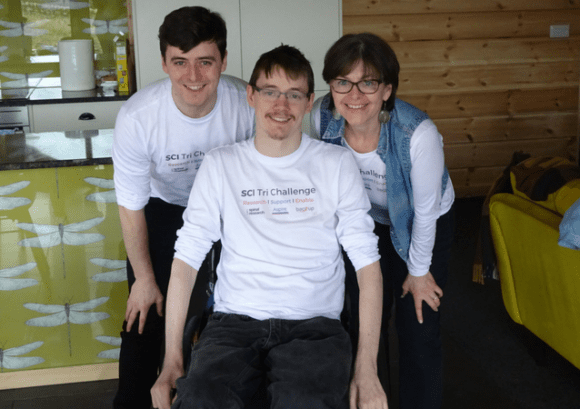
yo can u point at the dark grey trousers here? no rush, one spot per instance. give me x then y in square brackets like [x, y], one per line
[306, 364]
[142, 354]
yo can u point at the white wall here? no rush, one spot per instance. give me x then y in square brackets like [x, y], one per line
[254, 27]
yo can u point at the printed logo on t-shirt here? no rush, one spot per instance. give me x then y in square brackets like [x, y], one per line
[182, 162]
[277, 202]
[374, 180]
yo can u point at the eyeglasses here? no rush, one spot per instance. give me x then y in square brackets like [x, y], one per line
[343, 86]
[272, 95]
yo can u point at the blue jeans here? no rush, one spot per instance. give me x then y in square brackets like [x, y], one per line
[306, 364]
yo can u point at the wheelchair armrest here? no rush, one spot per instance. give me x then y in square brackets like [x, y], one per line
[191, 327]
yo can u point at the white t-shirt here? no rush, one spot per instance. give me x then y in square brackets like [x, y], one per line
[427, 165]
[157, 150]
[281, 222]
[374, 174]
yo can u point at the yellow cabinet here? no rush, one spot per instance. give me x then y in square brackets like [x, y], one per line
[63, 287]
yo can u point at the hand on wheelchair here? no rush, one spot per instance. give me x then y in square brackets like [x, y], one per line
[366, 391]
[163, 392]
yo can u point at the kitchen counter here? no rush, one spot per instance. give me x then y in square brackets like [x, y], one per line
[55, 149]
[48, 91]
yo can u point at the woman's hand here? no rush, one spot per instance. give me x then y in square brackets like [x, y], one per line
[423, 288]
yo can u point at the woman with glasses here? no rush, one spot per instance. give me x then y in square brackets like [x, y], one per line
[400, 155]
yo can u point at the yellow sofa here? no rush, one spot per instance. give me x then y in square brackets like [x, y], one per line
[540, 280]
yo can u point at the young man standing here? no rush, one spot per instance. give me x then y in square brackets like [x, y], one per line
[282, 205]
[161, 136]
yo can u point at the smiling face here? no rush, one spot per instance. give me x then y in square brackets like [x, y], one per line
[279, 120]
[358, 109]
[194, 77]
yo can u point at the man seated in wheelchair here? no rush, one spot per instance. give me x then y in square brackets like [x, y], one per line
[282, 204]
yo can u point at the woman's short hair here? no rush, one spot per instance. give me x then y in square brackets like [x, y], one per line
[187, 27]
[290, 60]
[372, 50]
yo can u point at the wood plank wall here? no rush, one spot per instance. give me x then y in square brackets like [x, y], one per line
[488, 74]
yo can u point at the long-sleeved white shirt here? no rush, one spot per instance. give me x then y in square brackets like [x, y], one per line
[427, 165]
[281, 222]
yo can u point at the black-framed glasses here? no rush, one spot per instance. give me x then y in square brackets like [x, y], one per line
[272, 95]
[343, 86]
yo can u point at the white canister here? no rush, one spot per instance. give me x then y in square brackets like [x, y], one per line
[76, 65]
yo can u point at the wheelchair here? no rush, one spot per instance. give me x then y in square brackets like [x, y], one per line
[196, 322]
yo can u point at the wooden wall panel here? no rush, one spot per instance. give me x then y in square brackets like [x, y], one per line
[476, 104]
[474, 181]
[482, 175]
[427, 54]
[461, 26]
[502, 128]
[487, 73]
[471, 190]
[458, 176]
[458, 156]
[489, 77]
[375, 7]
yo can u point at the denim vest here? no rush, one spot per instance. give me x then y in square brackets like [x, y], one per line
[394, 149]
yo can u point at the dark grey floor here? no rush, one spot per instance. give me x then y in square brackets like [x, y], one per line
[490, 362]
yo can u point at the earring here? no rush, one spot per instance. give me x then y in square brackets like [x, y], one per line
[335, 114]
[384, 115]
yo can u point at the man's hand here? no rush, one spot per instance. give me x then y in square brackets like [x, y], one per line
[161, 390]
[423, 288]
[144, 293]
[181, 284]
[366, 391]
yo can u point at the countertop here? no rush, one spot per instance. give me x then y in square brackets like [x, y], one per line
[55, 149]
[48, 91]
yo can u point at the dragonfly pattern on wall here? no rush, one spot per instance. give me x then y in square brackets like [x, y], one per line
[50, 48]
[67, 314]
[106, 26]
[118, 274]
[7, 283]
[110, 353]
[73, 5]
[9, 358]
[9, 203]
[2, 56]
[51, 235]
[23, 29]
[102, 197]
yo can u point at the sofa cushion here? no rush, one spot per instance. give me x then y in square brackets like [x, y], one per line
[540, 179]
[566, 196]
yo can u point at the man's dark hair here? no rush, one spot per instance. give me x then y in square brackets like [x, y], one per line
[375, 54]
[187, 27]
[290, 60]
